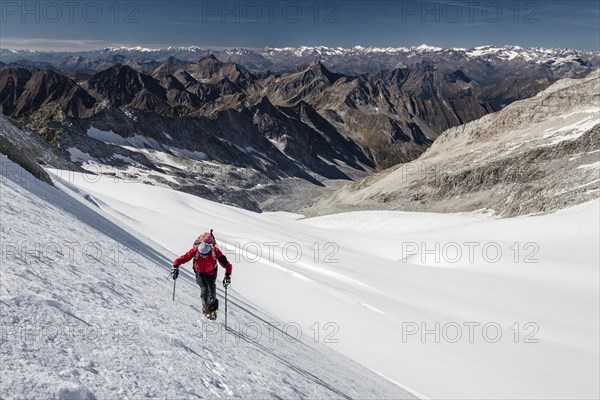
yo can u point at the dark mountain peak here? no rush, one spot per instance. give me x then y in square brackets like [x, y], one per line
[121, 84]
[120, 74]
[46, 87]
[307, 83]
[209, 60]
[210, 70]
[51, 83]
[119, 68]
[315, 65]
[317, 68]
[166, 69]
[12, 85]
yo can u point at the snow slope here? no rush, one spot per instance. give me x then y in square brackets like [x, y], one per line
[86, 313]
[397, 288]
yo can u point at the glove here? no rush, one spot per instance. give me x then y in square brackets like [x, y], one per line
[227, 280]
[174, 272]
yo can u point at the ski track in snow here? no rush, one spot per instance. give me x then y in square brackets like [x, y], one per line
[86, 313]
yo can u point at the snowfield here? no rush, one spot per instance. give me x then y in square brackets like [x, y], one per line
[86, 313]
[446, 305]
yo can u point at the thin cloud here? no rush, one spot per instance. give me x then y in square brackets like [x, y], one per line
[18, 43]
[68, 45]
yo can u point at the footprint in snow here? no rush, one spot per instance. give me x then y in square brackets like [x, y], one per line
[210, 387]
[209, 353]
[220, 385]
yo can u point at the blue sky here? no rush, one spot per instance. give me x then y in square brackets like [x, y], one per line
[57, 25]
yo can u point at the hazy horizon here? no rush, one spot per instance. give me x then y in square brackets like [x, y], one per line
[79, 26]
[222, 48]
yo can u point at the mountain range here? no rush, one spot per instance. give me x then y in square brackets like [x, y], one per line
[357, 60]
[536, 155]
[240, 133]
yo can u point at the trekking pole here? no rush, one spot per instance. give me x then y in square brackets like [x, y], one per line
[174, 282]
[226, 307]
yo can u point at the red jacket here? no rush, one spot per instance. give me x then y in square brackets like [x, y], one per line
[205, 265]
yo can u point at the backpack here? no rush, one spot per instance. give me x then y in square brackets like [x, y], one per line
[207, 237]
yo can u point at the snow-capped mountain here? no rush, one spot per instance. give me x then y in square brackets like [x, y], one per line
[536, 55]
[354, 60]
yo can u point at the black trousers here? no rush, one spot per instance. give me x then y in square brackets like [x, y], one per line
[208, 291]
